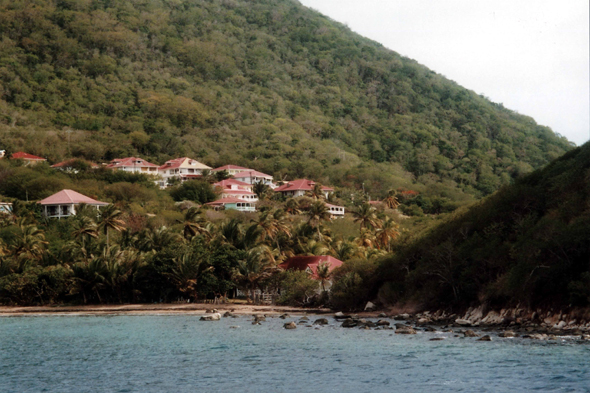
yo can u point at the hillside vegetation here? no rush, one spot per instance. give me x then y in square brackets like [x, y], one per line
[267, 83]
[527, 244]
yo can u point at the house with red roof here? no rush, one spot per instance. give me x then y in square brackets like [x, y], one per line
[310, 264]
[251, 177]
[232, 188]
[232, 204]
[29, 159]
[183, 168]
[63, 204]
[73, 165]
[231, 169]
[134, 165]
[299, 187]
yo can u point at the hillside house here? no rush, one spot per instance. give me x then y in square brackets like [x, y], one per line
[300, 187]
[63, 204]
[231, 169]
[252, 177]
[310, 265]
[29, 159]
[231, 188]
[134, 165]
[232, 204]
[335, 211]
[73, 165]
[183, 168]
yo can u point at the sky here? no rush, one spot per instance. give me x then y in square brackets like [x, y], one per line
[530, 55]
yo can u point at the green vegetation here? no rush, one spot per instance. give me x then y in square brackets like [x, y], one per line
[526, 245]
[235, 81]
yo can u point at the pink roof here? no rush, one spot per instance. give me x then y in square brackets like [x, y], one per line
[71, 161]
[311, 262]
[252, 173]
[300, 184]
[231, 182]
[25, 156]
[224, 201]
[177, 162]
[228, 167]
[236, 192]
[68, 197]
[129, 161]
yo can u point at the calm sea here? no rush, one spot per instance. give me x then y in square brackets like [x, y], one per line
[183, 354]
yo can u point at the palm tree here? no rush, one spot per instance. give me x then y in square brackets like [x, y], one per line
[254, 268]
[387, 232]
[261, 190]
[110, 218]
[316, 213]
[29, 242]
[367, 217]
[323, 272]
[316, 193]
[187, 270]
[84, 228]
[311, 247]
[194, 224]
[344, 250]
[292, 206]
[391, 200]
[154, 239]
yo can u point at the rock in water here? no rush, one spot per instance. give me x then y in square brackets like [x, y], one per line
[227, 314]
[507, 333]
[382, 322]
[321, 321]
[462, 322]
[470, 333]
[284, 316]
[406, 330]
[211, 317]
[437, 339]
[485, 338]
[348, 323]
[290, 325]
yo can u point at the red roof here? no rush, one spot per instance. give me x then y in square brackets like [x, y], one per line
[177, 162]
[227, 183]
[236, 192]
[224, 201]
[130, 162]
[69, 196]
[228, 167]
[252, 173]
[69, 162]
[26, 156]
[300, 184]
[311, 262]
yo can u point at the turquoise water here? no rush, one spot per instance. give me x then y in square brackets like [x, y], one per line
[183, 354]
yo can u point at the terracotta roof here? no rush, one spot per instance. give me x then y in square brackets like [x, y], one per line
[71, 161]
[70, 196]
[177, 162]
[231, 182]
[300, 184]
[311, 262]
[129, 161]
[20, 155]
[224, 201]
[252, 173]
[228, 167]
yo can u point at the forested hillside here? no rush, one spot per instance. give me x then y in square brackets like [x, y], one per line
[266, 83]
[526, 245]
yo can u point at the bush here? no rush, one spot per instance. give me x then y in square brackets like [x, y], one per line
[193, 190]
[297, 288]
[353, 284]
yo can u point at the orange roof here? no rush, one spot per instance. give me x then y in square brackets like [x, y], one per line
[311, 262]
[224, 201]
[20, 155]
[252, 173]
[71, 161]
[300, 185]
[68, 197]
[129, 161]
[228, 167]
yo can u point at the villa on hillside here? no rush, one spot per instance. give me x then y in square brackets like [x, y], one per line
[29, 159]
[183, 168]
[231, 188]
[70, 165]
[232, 204]
[299, 187]
[335, 211]
[134, 164]
[63, 204]
[231, 169]
[251, 177]
[310, 265]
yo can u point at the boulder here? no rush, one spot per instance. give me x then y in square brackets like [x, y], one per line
[436, 339]
[370, 306]
[382, 322]
[560, 325]
[407, 330]
[227, 314]
[404, 317]
[485, 338]
[462, 322]
[321, 321]
[304, 319]
[211, 317]
[470, 333]
[429, 329]
[259, 318]
[210, 311]
[422, 321]
[382, 315]
[507, 333]
[349, 323]
[284, 316]
[401, 326]
[290, 325]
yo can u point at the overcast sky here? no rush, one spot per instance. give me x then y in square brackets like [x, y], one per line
[530, 55]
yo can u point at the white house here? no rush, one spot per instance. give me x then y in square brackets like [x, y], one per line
[252, 177]
[63, 203]
[232, 188]
[233, 204]
[335, 211]
[299, 187]
[231, 169]
[135, 165]
[183, 168]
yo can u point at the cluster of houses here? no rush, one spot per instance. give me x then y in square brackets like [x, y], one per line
[234, 193]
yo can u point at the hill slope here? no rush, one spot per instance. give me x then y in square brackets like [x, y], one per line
[527, 244]
[233, 81]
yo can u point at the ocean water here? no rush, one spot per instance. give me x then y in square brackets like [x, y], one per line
[182, 354]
